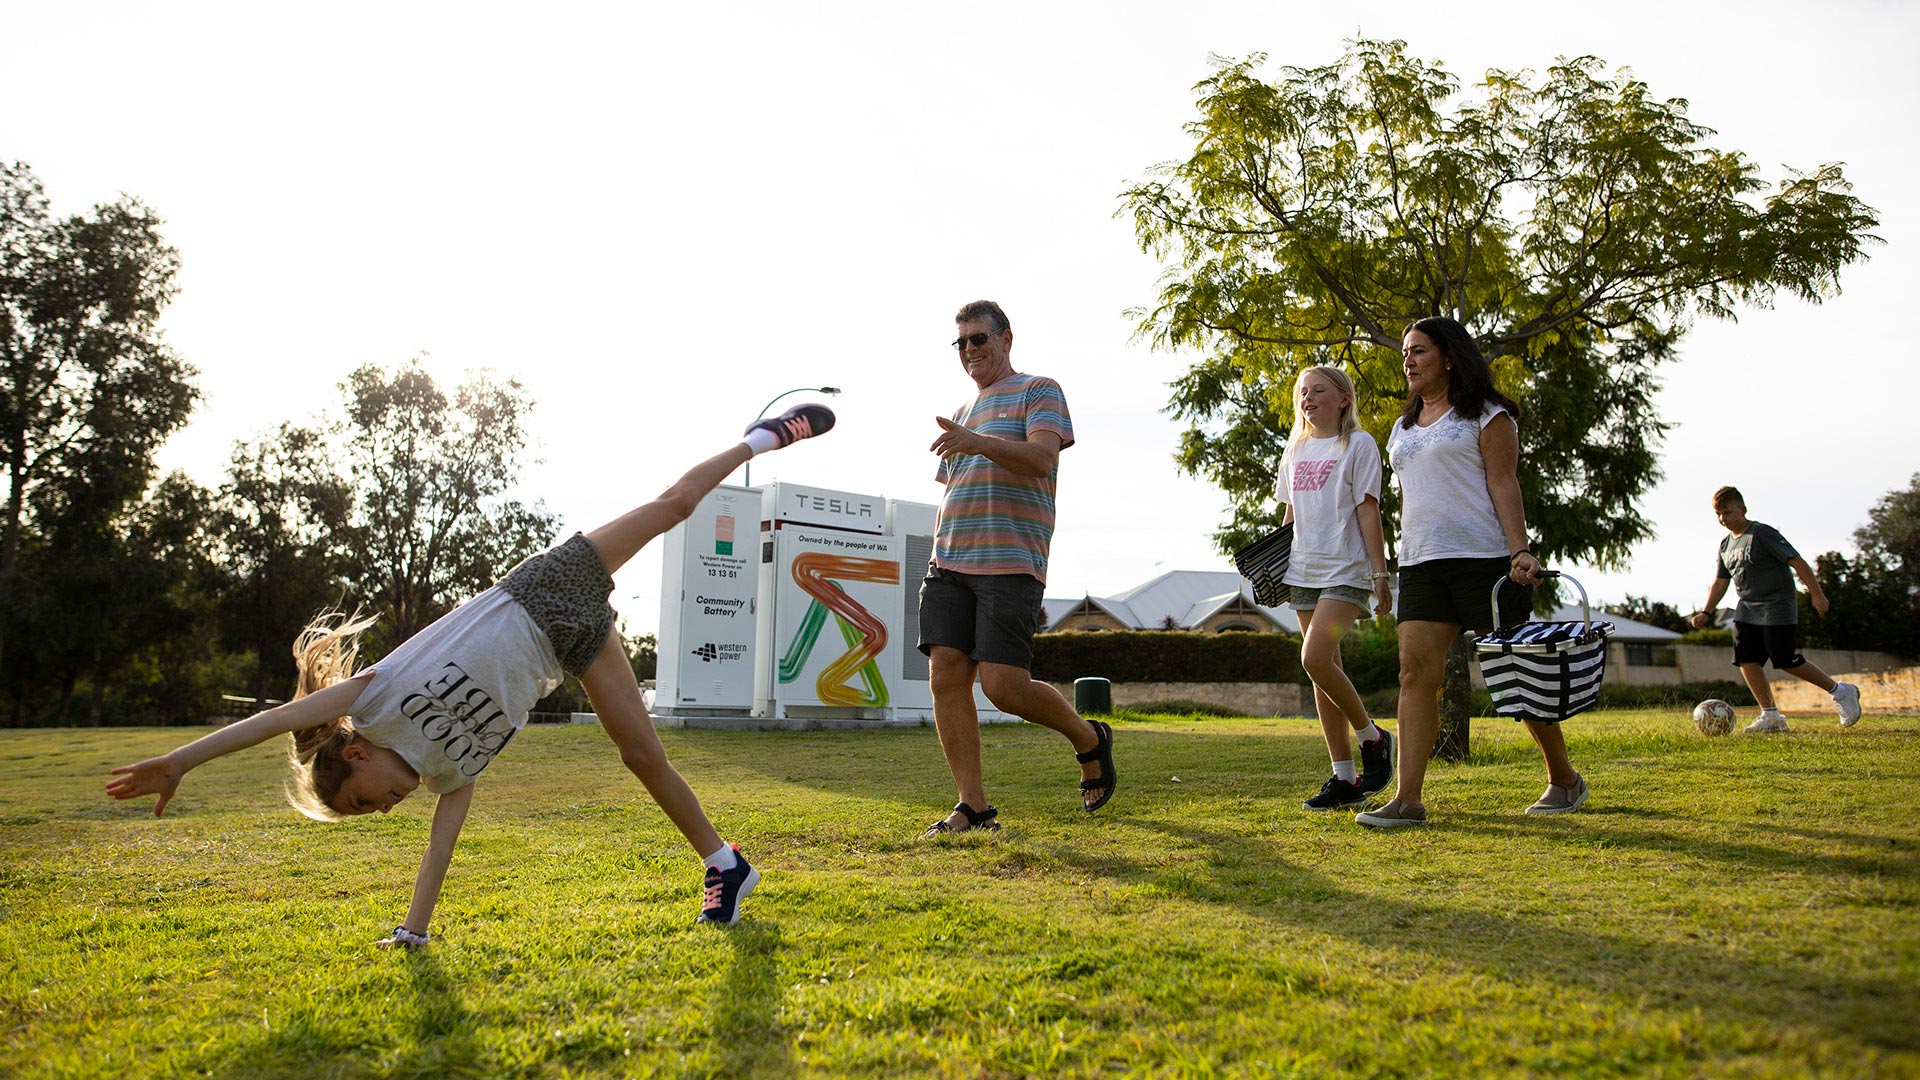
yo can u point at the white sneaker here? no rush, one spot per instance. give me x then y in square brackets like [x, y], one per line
[1846, 698]
[1770, 721]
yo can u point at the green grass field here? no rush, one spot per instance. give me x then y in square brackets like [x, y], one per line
[1744, 906]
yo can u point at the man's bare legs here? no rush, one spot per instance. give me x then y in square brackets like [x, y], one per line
[1012, 690]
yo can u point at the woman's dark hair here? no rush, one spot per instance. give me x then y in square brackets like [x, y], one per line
[1470, 383]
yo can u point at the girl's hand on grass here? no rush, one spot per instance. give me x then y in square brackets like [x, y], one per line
[154, 776]
[403, 938]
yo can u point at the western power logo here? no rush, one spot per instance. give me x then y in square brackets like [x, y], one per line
[720, 654]
[864, 634]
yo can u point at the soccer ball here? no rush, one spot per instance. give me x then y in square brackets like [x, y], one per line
[1713, 717]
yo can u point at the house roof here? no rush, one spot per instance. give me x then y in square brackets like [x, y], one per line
[1188, 597]
[1191, 597]
[1624, 629]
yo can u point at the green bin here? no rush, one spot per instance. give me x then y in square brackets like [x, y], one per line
[1092, 696]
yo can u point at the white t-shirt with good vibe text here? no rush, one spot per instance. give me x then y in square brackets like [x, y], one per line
[1446, 511]
[448, 699]
[1325, 485]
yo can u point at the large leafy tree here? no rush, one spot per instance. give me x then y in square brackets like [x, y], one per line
[88, 389]
[1875, 595]
[280, 522]
[115, 599]
[1573, 222]
[431, 522]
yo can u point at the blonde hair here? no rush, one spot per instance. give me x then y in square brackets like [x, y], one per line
[324, 654]
[1340, 381]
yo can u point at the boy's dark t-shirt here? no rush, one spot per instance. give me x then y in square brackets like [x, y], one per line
[1757, 560]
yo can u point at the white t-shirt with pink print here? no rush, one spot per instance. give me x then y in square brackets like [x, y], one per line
[1325, 485]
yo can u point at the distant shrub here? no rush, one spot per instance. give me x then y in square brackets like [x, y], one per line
[1370, 653]
[1709, 636]
[1383, 703]
[1180, 707]
[1678, 695]
[1167, 656]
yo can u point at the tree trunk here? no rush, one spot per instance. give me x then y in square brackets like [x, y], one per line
[1456, 702]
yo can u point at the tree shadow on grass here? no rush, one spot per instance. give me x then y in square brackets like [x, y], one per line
[1030, 770]
[1876, 855]
[748, 1036]
[1520, 948]
[437, 1039]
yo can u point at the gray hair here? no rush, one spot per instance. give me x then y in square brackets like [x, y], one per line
[984, 309]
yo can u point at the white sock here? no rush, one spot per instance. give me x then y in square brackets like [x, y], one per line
[760, 440]
[1771, 710]
[1369, 733]
[723, 860]
[1344, 770]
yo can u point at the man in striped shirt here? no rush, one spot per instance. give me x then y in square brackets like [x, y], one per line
[980, 602]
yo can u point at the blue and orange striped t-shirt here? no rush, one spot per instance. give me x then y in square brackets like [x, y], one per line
[992, 520]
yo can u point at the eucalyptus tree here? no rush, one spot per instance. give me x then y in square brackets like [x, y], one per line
[88, 387]
[432, 519]
[1574, 222]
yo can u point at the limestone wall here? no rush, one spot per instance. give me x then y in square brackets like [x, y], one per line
[1703, 663]
[1881, 692]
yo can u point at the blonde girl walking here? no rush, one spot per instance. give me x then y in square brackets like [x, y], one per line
[438, 709]
[1330, 482]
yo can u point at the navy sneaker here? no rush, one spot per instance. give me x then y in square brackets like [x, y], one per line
[1336, 793]
[799, 422]
[1376, 763]
[726, 888]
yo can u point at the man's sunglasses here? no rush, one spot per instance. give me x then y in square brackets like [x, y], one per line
[973, 341]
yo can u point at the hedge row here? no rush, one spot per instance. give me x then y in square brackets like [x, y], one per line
[1167, 656]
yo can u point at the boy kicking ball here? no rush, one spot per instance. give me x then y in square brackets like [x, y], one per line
[1762, 565]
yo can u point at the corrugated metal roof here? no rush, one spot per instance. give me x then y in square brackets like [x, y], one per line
[1193, 596]
[1188, 596]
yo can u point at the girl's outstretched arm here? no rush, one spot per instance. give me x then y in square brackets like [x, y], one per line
[161, 775]
[449, 814]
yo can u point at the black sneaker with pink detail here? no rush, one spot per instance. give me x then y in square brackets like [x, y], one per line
[799, 422]
[726, 888]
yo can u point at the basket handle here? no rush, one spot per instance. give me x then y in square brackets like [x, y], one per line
[1586, 613]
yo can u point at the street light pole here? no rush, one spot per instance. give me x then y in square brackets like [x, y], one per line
[834, 390]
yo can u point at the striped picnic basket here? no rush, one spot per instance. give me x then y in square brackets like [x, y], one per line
[1544, 670]
[1264, 562]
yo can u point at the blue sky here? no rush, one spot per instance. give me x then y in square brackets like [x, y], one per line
[660, 217]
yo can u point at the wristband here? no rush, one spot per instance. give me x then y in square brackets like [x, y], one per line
[1523, 551]
[404, 936]
[1379, 575]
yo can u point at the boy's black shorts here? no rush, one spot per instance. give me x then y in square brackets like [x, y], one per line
[1461, 591]
[1756, 644]
[990, 617]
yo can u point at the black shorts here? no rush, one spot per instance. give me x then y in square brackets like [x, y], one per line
[1461, 591]
[1756, 644]
[565, 589]
[990, 617]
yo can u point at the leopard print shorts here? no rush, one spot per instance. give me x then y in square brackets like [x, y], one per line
[565, 589]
